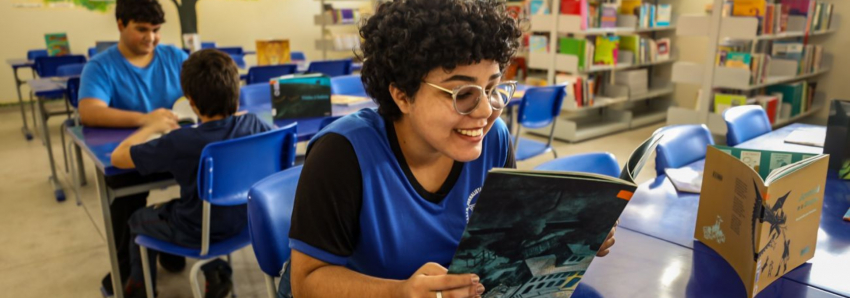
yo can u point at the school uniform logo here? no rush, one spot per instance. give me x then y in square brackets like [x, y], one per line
[470, 202]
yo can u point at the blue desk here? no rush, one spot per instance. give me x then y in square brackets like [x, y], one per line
[16, 64]
[642, 266]
[659, 211]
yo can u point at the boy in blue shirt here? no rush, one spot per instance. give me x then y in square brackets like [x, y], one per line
[210, 80]
[132, 84]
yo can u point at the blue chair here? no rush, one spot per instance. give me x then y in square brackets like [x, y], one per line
[225, 175]
[47, 66]
[72, 89]
[348, 85]
[208, 45]
[32, 54]
[270, 204]
[681, 145]
[232, 50]
[538, 108]
[744, 123]
[602, 163]
[239, 59]
[295, 56]
[92, 52]
[331, 68]
[262, 74]
[255, 94]
[68, 70]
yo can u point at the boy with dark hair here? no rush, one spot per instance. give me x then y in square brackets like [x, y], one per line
[210, 81]
[132, 84]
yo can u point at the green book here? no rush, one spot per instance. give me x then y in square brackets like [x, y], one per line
[57, 44]
[791, 94]
[723, 102]
[606, 50]
[575, 47]
[631, 43]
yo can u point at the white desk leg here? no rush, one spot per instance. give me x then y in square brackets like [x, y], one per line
[105, 203]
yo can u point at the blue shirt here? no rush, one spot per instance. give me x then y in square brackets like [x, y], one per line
[109, 77]
[179, 152]
[399, 230]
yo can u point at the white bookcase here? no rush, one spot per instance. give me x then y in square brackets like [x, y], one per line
[616, 110]
[327, 25]
[710, 78]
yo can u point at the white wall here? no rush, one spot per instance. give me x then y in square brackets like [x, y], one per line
[227, 22]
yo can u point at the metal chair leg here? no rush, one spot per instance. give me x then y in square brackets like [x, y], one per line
[233, 280]
[271, 290]
[147, 272]
[197, 291]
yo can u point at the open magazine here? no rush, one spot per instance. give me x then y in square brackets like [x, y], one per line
[760, 210]
[535, 233]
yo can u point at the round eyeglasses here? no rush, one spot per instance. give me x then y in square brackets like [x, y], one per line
[466, 97]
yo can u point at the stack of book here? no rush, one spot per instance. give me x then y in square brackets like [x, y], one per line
[645, 50]
[780, 102]
[582, 91]
[606, 13]
[809, 58]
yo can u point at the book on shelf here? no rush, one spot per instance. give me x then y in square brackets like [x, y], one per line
[537, 7]
[607, 48]
[513, 243]
[630, 7]
[575, 47]
[771, 106]
[192, 42]
[738, 60]
[799, 97]
[749, 8]
[664, 15]
[723, 102]
[608, 15]
[662, 48]
[57, 44]
[572, 7]
[765, 212]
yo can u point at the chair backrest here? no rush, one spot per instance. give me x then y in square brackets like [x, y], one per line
[255, 94]
[32, 54]
[744, 123]
[239, 59]
[70, 70]
[72, 91]
[270, 203]
[47, 66]
[348, 85]
[681, 145]
[229, 168]
[262, 74]
[331, 68]
[540, 106]
[602, 163]
[296, 55]
[208, 45]
[232, 50]
[92, 52]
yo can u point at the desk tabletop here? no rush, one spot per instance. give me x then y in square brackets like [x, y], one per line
[19, 62]
[658, 210]
[775, 140]
[642, 266]
[45, 85]
[98, 143]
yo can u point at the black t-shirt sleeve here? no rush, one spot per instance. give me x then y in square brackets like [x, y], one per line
[154, 156]
[326, 214]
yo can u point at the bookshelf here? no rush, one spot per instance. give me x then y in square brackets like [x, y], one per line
[616, 108]
[714, 79]
[326, 22]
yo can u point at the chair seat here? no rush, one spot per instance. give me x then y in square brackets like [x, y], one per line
[50, 95]
[220, 248]
[530, 148]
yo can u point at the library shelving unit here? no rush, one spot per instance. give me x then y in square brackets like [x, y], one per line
[326, 22]
[710, 77]
[616, 110]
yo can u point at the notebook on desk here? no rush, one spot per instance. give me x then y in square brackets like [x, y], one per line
[807, 137]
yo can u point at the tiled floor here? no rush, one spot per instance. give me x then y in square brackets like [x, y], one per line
[52, 249]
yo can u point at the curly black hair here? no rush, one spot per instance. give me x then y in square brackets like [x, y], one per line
[406, 39]
[141, 11]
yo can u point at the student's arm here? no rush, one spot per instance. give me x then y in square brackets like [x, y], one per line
[121, 157]
[311, 277]
[95, 112]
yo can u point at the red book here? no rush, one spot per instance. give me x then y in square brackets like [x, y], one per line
[572, 7]
[578, 91]
[770, 105]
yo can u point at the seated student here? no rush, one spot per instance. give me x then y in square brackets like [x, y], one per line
[383, 198]
[210, 81]
[132, 84]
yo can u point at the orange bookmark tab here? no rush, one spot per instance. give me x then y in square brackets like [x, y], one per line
[625, 195]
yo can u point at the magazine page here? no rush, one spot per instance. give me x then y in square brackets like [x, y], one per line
[639, 157]
[533, 235]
